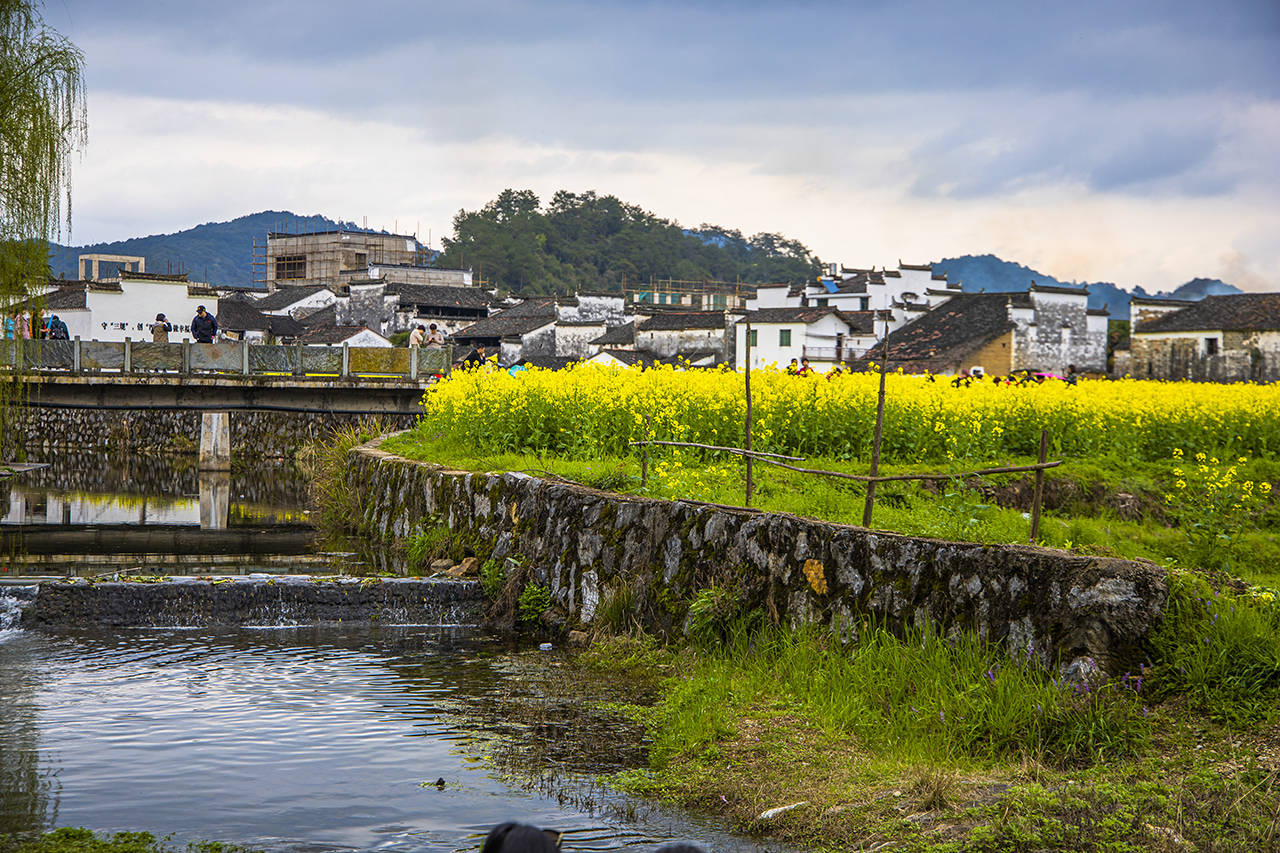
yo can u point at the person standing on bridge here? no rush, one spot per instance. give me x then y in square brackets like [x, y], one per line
[435, 337]
[415, 337]
[160, 330]
[58, 330]
[204, 326]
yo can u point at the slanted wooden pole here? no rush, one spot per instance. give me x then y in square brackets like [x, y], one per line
[747, 425]
[875, 444]
[644, 453]
[1039, 495]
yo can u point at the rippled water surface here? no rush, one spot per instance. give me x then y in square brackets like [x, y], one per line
[298, 739]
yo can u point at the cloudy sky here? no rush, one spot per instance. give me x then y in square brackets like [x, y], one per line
[1136, 142]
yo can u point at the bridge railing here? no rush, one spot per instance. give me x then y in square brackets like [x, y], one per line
[231, 357]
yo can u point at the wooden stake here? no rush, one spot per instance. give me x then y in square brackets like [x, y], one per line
[747, 426]
[1035, 504]
[875, 446]
[644, 453]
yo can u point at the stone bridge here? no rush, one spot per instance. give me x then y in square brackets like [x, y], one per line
[264, 399]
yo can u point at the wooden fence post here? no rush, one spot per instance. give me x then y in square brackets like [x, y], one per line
[747, 426]
[644, 453]
[1039, 495]
[875, 446]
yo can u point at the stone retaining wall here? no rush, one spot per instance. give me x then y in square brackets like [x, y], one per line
[587, 545]
[192, 602]
[253, 434]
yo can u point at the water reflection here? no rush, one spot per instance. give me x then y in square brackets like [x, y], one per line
[310, 738]
[89, 514]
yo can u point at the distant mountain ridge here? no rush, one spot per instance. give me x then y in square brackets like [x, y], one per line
[222, 253]
[994, 275]
[217, 252]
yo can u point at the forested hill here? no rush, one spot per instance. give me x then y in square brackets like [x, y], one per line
[217, 252]
[991, 274]
[584, 241]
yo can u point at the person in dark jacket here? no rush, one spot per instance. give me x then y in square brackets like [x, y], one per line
[204, 326]
[57, 329]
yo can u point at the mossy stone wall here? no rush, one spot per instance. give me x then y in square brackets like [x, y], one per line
[589, 546]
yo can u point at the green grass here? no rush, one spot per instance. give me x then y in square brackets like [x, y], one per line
[76, 840]
[1219, 652]
[919, 697]
[920, 743]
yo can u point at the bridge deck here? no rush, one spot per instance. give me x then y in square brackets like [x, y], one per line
[235, 357]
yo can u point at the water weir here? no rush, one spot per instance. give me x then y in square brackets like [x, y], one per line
[256, 601]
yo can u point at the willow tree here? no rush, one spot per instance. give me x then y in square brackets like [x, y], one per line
[42, 123]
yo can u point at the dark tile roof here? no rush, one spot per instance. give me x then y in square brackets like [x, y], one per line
[66, 299]
[965, 323]
[239, 313]
[329, 334]
[624, 334]
[917, 267]
[441, 295]
[549, 362]
[789, 315]
[857, 284]
[1160, 300]
[677, 320]
[1237, 312]
[284, 326]
[153, 276]
[1048, 288]
[939, 276]
[641, 357]
[865, 322]
[696, 356]
[1098, 312]
[326, 316]
[286, 296]
[517, 320]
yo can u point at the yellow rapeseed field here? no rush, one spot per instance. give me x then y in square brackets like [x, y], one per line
[593, 410]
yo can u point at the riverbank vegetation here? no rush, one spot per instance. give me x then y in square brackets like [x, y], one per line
[918, 742]
[76, 840]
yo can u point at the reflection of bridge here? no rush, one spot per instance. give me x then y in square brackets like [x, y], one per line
[216, 379]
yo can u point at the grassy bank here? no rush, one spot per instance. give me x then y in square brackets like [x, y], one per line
[76, 840]
[921, 743]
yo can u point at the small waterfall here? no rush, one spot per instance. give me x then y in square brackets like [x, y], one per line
[13, 600]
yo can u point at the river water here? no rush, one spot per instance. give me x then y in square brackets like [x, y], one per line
[287, 738]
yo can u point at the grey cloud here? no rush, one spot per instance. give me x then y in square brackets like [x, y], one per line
[674, 52]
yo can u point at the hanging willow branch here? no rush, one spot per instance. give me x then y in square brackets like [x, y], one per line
[43, 121]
